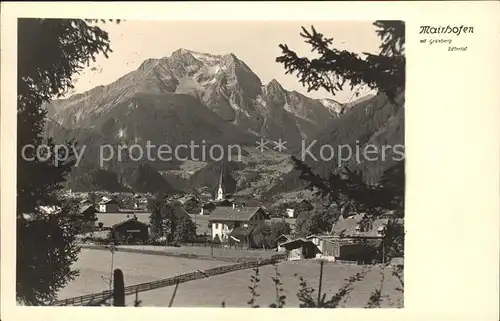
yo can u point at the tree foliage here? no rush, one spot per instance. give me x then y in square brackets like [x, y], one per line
[349, 192]
[98, 179]
[316, 222]
[145, 179]
[335, 68]
[395, 240]
[277, 229]
[50, 52]
[261, 235]
[162, 219]
[165, 222]
[185, 230]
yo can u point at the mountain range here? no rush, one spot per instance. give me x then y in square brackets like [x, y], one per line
[192, 96]
[223, 83]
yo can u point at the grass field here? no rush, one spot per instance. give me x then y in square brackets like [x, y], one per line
[232, 288]
[137, 268]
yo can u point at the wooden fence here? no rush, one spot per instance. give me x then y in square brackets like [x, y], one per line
[93, 297]
[349, 262]
[226, 246]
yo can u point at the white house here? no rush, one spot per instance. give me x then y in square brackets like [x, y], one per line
[224, 219]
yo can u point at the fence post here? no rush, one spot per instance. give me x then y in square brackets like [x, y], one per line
[118, 289]
[320, 281]
[137, 302]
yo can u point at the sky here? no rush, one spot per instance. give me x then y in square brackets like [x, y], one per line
[256, 43]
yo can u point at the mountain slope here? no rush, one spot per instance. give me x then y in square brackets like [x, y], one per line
[160, 119]
[171, 120]
[373, 122]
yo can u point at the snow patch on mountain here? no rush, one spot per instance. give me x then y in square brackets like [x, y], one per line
[331, 104]
[206, 58]
[261, 101]
[287, 106]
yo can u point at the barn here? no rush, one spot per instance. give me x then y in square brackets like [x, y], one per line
[348, 248]
[300, 249]
[108, 206]
[131, 231]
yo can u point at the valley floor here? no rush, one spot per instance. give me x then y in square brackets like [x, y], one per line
[95, 270]
[232, 288]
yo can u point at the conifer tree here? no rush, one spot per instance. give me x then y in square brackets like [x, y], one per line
[335, 68]
[50, 52]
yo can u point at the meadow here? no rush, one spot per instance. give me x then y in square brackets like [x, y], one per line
[95, 269]
[232, 288]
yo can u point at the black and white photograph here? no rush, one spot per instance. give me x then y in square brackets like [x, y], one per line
[210, 163]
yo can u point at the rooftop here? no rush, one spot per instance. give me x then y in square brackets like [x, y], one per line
[347, 226]
[108, 201]
[201, 222]
[222, 213]
[84, 208]
[111, 219]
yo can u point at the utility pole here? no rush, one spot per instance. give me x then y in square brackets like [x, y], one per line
[165, 232]
[383, 249]
[112, 249]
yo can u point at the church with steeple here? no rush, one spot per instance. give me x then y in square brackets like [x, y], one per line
[219, 196]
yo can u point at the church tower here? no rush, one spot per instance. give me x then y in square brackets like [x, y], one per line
[220, 189]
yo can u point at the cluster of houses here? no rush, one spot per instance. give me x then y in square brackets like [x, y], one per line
[126, 224]
[221, 218]
[216, 219]
[352, 238]
[231, 220]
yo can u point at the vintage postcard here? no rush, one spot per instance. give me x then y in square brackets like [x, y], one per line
[208, 155]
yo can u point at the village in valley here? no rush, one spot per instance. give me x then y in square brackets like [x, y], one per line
[228, 222]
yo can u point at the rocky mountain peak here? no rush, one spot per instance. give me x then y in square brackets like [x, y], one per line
[231, 57]
[180, 52]
[274, 91]
[275, 85]
[183, 55]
